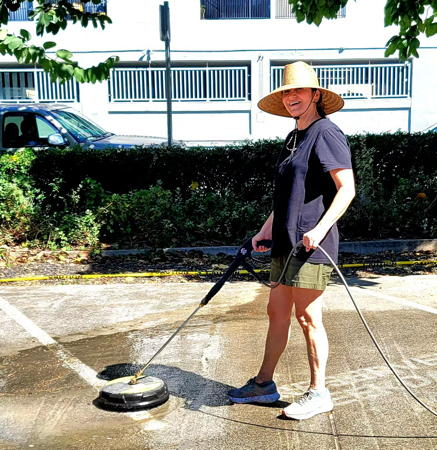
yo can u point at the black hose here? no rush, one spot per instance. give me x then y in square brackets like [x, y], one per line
[398, 377]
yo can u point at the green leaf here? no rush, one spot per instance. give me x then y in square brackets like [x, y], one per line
[300, 16]
[45, 19]
[46, 64]
[64, 54]
[317, 20]
[431, 30]
[49, 44]
[68, 68]
[414, 52]
[39, 29]
[25, 34]
[23, 56]
[414, 44]
[91, 75]
[15, 43]
[392, 46]
[18, 53]
[53, 28]
[79, 74]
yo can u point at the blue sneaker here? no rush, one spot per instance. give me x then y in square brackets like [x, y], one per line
[253, 392]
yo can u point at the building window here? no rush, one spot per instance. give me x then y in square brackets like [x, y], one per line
[283, 10]
[235, 9]
[188, 84]
[26, 8]
[27, 85]
[389, 80]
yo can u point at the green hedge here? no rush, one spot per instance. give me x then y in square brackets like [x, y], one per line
[197, 196]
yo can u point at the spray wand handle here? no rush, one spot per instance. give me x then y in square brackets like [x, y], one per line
[243, 252]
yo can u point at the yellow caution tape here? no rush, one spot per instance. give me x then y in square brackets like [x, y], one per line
[388, 263]
[196, 273]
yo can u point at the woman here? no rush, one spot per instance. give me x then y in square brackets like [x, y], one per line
[314, 185]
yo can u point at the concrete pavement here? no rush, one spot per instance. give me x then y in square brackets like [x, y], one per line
[57, 339]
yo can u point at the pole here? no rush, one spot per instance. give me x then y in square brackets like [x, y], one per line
[165, 36]
[168, 92]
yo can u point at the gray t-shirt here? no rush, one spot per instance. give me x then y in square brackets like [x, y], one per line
[304, 188]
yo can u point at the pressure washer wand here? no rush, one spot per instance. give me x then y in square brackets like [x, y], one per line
[244, 251]
[139, 374]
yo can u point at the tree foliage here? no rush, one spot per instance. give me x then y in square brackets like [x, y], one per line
[413, 17]
[50, 17]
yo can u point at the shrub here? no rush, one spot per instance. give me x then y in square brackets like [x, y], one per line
[18, 197]
[196, 196]
[72, 230]
[147, 216]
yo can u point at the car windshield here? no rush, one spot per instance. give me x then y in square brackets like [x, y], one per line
[82, 129]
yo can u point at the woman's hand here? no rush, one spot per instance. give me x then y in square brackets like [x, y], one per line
[265, 234]
[312, 239]
[261, 236]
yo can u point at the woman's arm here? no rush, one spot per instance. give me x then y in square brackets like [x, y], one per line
[264, 234]
[345, 184]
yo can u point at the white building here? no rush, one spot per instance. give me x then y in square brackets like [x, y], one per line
[226, 55]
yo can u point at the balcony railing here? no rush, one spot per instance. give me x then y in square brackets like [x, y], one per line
[188, 84]
[235, 9]
[22, 13]
[26, 86]
[26, 8]
[360, 81]
[283, 10]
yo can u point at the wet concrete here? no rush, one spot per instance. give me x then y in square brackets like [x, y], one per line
[47, 402]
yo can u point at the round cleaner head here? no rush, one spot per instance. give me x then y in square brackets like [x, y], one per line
[119, 395]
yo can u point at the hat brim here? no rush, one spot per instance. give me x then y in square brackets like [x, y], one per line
[272, 103]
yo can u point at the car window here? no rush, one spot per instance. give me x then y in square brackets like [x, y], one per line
[45, 128]
[82, 129]
[11, 131]
[26, 130]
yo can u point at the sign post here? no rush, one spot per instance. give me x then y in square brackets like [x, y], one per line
[164, 13]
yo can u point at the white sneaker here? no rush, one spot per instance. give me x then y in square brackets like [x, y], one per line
[311, 403]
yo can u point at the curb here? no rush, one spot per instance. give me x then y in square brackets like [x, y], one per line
[357, 247]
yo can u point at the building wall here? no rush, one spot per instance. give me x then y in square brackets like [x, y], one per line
[358, 38]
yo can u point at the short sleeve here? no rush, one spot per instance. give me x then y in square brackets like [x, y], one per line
[333, 151]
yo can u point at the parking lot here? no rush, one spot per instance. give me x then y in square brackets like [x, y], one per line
[57, 340]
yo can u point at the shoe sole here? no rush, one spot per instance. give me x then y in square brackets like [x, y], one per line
[271, 398]
[309, 414]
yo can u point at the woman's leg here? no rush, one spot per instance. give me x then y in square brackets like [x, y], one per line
[279, 311]
[308, 310]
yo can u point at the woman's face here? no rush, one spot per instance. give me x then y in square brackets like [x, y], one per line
[300, 100]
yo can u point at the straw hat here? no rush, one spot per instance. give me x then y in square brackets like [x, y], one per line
[299, 75]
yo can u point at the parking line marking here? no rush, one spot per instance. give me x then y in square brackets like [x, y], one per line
[68, 360]
[26, 323]
[398, 300]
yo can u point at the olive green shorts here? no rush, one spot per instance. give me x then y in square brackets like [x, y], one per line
[301, 274]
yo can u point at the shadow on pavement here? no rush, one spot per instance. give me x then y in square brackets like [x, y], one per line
[194, 389]
[356, 282]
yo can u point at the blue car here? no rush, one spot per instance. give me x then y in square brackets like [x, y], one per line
[54, 125]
